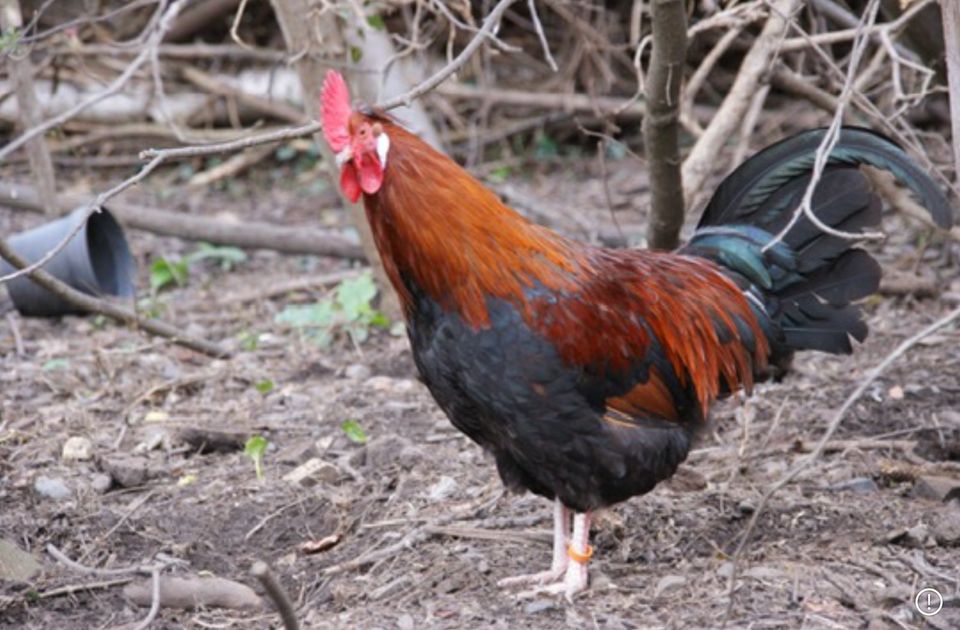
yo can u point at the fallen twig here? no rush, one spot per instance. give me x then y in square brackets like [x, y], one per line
[110, 309]
[261, 571]
[288, 240]
[703, 158]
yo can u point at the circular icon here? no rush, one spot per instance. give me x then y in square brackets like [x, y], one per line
[929, 601]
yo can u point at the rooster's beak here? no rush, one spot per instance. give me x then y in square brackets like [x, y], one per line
[344, 156]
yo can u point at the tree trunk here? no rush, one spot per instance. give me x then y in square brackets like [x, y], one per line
[30, 112]
[661, 128]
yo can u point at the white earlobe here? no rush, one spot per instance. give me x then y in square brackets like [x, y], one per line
[383, 147]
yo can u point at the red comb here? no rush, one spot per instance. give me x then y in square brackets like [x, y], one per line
[335, 99]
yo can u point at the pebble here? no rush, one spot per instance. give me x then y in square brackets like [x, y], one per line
[100, 483]
[405, 622]
[667, 583]
[77, 449]
[539, 606]
[312, 472]
[390, 385]
[358, 372]
[52, 488]
[442, 489]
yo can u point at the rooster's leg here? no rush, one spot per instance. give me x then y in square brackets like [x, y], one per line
[561, 535]
[579, 552]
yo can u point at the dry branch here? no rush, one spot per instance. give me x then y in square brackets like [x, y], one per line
[661, 129]
[110, 309]
[261, 571]
[600, 105]
[252, 235]
[703, 158]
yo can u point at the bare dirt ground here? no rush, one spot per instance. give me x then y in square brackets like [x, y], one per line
[423, 529]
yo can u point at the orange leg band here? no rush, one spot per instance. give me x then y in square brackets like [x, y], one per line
[580, 558]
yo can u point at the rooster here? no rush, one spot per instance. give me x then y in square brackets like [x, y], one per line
[587, 372]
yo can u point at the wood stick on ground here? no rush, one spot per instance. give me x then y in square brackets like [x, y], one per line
[661, 129]
[110, 309]
[254, 235]
[261, 571]
[28, 108]
[703, 158]
[815, 455]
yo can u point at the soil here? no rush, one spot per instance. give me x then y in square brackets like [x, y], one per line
[848, 543]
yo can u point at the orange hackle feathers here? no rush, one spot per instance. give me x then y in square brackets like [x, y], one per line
[601, 308]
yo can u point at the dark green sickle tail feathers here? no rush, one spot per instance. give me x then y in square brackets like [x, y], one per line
[805, 287]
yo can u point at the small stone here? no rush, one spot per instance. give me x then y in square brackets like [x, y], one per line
[390, 385]
[52, 488]
[405, 622]
[746, 507]
[725, 570]
[945, 525]
[77, 449]
[539, 606]
[100, 483]
[154, 436]
[387, 450]
[860, 485]
[936, 488]
[16, 565]
[312, 472]
[444, 487]
[127, 471]
[895, 393]
[358, 372]
[667, 583]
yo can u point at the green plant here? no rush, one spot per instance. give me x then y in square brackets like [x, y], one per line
[354, 432]
[255, 448]
[165, 272]
[9, 40]
[349, 310]
[227, 257]
[265, 386]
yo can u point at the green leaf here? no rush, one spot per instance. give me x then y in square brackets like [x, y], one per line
[499, 174]
[227, 256]
[255, 448]
[307, 315]
[285, 153]
[353, 431]
[265, 386]
[544, 146]
[55, 364]
[165, 272]
[377, 22]
[249, 341]
[9, 41]
[356, 54]
[354, 296]
[379, 320]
